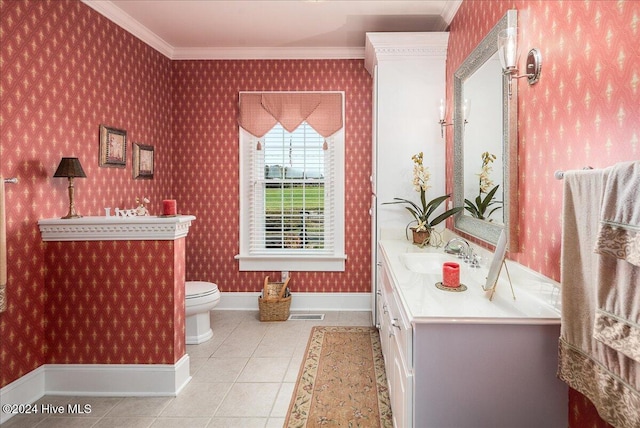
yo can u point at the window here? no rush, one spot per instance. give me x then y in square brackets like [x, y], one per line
[292, 200]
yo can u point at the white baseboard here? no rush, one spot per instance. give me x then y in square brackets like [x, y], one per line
[300, 301]
[104, 380]
[25, 390]
[117, 380]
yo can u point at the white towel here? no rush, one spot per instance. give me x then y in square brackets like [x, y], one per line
[617, 318]
[620, 214]
[605, 376]
[3, 251]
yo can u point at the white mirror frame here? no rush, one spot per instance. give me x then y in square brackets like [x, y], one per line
[482, 229]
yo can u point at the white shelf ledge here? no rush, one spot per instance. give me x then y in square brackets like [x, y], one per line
[147, 228]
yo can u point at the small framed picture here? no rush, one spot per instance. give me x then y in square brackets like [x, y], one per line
[142, 161]
[113, 147]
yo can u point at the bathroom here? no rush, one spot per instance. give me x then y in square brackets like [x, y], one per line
[69, 69]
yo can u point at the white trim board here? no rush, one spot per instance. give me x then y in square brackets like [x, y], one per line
[104, 380]
[300, 301]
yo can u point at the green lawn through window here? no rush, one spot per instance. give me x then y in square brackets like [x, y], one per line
[294, 198]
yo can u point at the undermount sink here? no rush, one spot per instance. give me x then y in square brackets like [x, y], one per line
[426, 262]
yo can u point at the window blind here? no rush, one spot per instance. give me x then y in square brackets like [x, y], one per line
[292, 189]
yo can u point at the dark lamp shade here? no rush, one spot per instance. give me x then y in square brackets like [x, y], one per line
[69, 167]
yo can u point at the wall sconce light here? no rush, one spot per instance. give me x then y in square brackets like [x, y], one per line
[70, 168]
[466, 109]
[442, 120]
[508, 52]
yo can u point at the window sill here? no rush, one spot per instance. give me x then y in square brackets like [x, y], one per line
[290, 262]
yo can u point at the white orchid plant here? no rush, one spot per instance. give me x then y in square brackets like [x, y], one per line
[423, 211]
[479, 207]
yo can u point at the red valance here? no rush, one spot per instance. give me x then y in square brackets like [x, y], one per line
[259, 112]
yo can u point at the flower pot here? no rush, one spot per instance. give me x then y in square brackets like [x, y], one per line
[421, 237]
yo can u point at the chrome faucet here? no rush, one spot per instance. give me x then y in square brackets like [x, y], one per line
[452, 248]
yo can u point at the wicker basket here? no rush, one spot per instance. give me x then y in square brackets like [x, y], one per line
[274, 306]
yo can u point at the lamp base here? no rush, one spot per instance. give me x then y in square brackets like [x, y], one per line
[68, 216]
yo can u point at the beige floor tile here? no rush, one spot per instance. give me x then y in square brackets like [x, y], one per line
[24, 421]
[67, 422]
[281, 406]
[125, 422]
[139, 406]
[220, 370]
[197, 399]
[275, 423]
[264, 369]
[277, 344]
[195, 363]
[180, 422]
[355, 318]
[293, 369]
[237, 423]
[206, 349]
[249, 400]
[99, 406]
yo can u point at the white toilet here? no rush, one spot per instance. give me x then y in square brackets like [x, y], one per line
[200, 297]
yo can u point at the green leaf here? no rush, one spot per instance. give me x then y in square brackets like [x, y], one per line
[444, 216]
[434, 204]
[472, 209]
[485, 203]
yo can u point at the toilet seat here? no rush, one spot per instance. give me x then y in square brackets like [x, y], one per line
[195, 289]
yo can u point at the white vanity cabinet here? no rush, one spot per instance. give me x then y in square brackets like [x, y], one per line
[396, 336]
[451, 364]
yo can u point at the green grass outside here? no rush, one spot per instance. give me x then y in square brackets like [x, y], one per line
[293, 197]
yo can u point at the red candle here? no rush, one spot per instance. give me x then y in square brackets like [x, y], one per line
[451, 274]
[169, 207]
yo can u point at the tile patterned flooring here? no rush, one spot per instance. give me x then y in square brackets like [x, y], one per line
[243, 377]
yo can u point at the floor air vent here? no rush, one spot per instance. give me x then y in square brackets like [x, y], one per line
[306, 317]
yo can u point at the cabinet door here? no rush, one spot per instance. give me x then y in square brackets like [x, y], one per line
[400, 389]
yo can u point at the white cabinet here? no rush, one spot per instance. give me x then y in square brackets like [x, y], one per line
[465, 373]
[408, 72]
[396, 338]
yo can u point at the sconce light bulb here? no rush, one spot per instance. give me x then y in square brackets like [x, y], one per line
[442, 110]
[508, 48]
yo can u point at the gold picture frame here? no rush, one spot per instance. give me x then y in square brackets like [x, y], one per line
[143, 161]
[113, 147]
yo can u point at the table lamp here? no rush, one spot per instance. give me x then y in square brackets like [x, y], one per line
[70, 168]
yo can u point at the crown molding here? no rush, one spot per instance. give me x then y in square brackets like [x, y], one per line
[403, 46]
[450, 10]
[124, 20]
[143, 228]
[268, 53]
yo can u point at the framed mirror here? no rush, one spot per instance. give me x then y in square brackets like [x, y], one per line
[486, 143]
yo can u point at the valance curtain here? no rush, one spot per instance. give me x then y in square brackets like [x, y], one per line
[259, 112]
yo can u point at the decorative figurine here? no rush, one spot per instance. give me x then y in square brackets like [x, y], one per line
[141, 210]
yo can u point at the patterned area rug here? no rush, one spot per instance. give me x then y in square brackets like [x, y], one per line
[342, 382]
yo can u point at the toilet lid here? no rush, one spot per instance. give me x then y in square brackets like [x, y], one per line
[195, 289]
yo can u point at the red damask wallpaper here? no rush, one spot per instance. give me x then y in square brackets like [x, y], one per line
[205, 129]
[584, 111]
[64, 70]
[114, 302]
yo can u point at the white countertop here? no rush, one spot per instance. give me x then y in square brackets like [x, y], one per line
[113, 228]
[537, 297]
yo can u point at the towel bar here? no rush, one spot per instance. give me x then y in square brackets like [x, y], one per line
[559, 174]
